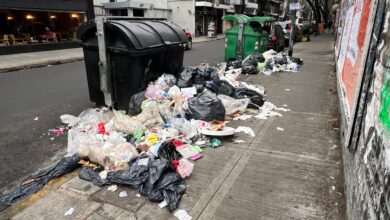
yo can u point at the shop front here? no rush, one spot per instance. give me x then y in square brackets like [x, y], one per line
[37, 25]
[207, 18]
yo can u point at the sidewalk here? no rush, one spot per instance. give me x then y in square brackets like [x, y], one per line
[291, 174]
[14, 62]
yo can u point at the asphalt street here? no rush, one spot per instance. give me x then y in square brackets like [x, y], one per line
[33, 100]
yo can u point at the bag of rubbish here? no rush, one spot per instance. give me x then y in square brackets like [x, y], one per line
[257, 57]
[168, 151]
[206, 107]
[297, 60]
[133, 176]
[136, 102]
[37, 181]
[233, 105]
[256, 98]
[154, 92]
[249, 68]
[185, 78]
[185, 127]
[280, 59]
[233, 64]
[269, 64]
[113, 156]
[91, 174]
[166, 81]
[70, 120]
[125, 123]
[224, 88]
[170, 188]
[185, 168]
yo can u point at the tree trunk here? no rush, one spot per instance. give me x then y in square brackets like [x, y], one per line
[316, 15]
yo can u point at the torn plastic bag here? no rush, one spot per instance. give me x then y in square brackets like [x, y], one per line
[168, 151]
[206, 73]
[256, 57]
[37, 181]
[91, 174]
[155, 171]
[256, 98]
[206, 107]
[154, 92]
[233, 105]
[125, 123]
[171, 188]
[136, 102]
[133, 176]
[166, 81]
[185, 78]
[70, 120]
[185, 127]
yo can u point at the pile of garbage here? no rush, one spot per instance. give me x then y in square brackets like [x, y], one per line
[266, 63]
[152, 145]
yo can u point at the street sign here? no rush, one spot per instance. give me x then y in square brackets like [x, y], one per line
[294, 6]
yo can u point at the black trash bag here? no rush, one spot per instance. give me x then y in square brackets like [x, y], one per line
[199, 88]
[186, 77]
[224, 88]
[156, 170]
[249, 68]
[135, 103]
[257, 57]
[207, 107]
[133, 176]
[281, 60]
[38, 180]
[170, 188]
[233, 64]
[168, 151]
[297, 60]
[269, 64]
[256, 98]
[92, 175]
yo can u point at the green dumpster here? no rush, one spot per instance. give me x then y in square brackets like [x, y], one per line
[246, 36]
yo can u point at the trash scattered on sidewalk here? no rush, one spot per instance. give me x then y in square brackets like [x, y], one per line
[246, 130]
[267, 63]
[163, 204]
[69, 212]
[112, 188]
[279, 129]
[333, 147]
[123, 194]
[151, 145]
[36, 119]
[182, 215]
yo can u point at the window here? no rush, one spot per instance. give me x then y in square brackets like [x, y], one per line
[138, 13]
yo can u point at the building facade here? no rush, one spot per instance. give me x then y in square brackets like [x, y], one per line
[29, 24]
[274, 8]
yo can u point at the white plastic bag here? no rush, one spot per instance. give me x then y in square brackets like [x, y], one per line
[233, 105]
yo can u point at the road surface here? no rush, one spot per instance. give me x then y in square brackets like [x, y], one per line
[32, 101]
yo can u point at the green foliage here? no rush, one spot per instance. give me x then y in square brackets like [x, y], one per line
[305, 30]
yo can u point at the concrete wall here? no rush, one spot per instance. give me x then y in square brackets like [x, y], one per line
[183, 14]
[367, 156]
[158, 13]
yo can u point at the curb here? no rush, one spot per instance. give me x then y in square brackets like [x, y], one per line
[40, 64]
[210, 39]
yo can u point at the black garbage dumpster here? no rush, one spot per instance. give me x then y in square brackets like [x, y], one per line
[136, 52]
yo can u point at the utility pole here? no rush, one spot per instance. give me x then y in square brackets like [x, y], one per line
[90, 10]
[292, 34]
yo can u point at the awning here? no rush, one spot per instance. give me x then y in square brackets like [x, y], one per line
[203, 4]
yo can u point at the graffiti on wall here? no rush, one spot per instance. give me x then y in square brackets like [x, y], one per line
[384, 115]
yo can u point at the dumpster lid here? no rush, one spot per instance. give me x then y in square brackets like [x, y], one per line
[236, 17]
[152, 33]
[261, 19]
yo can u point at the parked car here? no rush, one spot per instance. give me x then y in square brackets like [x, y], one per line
[276, 38]
[188, 46]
